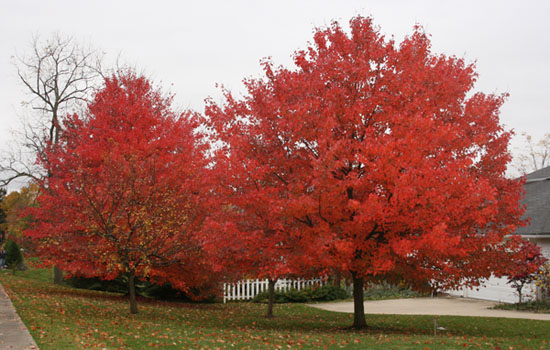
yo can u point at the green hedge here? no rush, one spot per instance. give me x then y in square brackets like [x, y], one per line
[384, 291]
[542, 307]
[143, 288]
[14, 258]
[323, 293]
[118, 285]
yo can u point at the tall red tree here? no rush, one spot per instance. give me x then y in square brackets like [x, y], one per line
[125, 195]
[253, 231]
[388, 162]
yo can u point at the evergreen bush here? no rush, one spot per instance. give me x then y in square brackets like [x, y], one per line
[14, 258]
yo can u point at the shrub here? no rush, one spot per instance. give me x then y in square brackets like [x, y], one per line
[118, 285]
[386, 291]
[542, 307]
[542, 280]
[167, 292]
[323, 293]
[263, 297]
[143, 288]
[328, 293]
[14, 258]
[298, 296]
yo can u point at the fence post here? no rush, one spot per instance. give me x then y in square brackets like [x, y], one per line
[239, 290]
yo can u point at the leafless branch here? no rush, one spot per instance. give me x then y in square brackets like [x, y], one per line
[59, 76]
[534, 155]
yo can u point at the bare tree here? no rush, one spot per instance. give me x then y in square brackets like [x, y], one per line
[534, 155]
[59, 75]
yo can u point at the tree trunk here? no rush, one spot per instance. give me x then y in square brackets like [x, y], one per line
[359, 321]
[271, 293]
[337, 279]
[132, 292]
[57, 275]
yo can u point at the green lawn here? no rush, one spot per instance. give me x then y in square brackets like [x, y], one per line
[63, 318]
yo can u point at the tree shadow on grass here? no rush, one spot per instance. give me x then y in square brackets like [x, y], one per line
[123, 298]
[316, 321]
[372, 328]
[83, 293]
[319, 321]
[179, 304]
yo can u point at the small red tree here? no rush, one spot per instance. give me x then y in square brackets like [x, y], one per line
[524, 261]
[255, 171]
[125, 195]
[387, 164]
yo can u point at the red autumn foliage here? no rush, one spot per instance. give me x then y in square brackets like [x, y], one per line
[524, 261]
[253, 175]
[375, 155]
[253, 232]
[124, 191]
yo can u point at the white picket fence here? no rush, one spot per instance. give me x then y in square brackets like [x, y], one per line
[248, 289]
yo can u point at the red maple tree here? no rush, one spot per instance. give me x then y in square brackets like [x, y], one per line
[524, 261]
[390, 168]
[125, 191]
[252, 232]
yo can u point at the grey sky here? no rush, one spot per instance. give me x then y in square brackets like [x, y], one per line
[189, 46]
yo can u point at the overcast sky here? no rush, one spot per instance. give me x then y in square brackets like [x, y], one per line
[189, 46]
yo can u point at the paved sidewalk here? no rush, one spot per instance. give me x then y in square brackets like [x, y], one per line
[433, 306]
[13, 333]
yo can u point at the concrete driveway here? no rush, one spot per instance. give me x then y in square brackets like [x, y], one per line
[432, 306]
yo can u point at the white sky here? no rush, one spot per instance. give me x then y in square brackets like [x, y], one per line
[189, 46]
